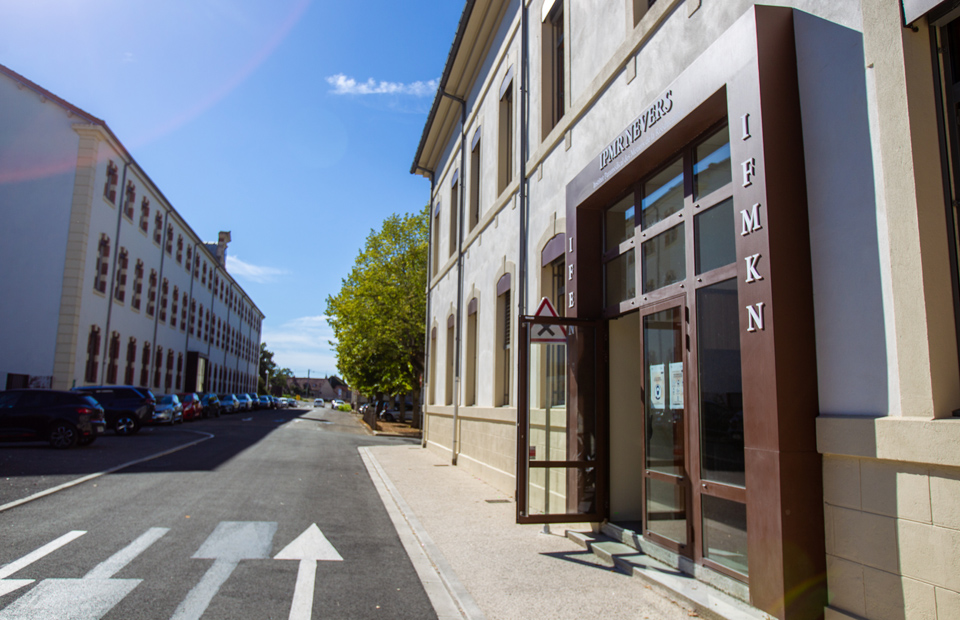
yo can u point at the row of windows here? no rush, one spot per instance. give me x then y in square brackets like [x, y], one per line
[553, 87]
[153, 369]
[502, 359]
[206, 273]
[142, 365]
[102, 273]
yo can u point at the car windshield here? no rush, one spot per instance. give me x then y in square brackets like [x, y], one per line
[167, 400]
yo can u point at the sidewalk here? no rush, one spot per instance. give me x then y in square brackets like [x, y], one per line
[477, 563]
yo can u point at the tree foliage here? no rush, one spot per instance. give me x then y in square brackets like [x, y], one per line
[377, 317]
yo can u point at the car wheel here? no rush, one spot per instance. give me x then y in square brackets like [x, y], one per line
[63, 435]
[86, 441]
[127, 425]
[389, 417]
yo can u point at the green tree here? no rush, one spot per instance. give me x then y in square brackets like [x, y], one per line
[377, 317]
[267, 367]
[280, 382]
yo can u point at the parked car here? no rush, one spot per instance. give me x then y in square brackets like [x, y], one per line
[210, 403]
[65, 419]
[318, 402]
[254, 400]
[229, 403]
[192, 408]
[265, 402]
[335, 403]
[126, 408]
[246, 403]
[293, 403]
[276, 402]
[392, 413]
[169, 410]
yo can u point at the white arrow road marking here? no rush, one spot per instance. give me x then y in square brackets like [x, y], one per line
[9, 585]
[229, 543]
[89, 598]
[308, 547]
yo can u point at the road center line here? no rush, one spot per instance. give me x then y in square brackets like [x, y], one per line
[115, 563]
[73, 483]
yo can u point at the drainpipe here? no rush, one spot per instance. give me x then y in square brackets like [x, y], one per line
[524, 186]
[463, 184]
[122, 194]
[426, 333]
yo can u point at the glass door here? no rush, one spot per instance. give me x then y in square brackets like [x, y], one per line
[666, 489]
[561, 434]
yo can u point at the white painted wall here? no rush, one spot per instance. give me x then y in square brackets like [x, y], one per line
[38, 152]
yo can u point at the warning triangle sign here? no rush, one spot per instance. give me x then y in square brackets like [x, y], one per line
[547, 333]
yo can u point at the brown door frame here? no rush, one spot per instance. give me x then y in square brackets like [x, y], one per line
[600, 463]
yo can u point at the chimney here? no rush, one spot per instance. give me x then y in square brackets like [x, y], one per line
[222, 242]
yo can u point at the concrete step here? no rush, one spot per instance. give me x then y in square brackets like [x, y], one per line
[704, 599]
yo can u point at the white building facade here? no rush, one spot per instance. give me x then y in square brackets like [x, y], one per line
[744, 215]
[106, 283]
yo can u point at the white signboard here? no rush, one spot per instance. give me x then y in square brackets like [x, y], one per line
[676, 385]
[657, 386]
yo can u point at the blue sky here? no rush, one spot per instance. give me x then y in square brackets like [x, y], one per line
[290, 123]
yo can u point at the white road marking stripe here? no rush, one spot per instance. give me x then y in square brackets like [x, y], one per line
[198, 599]
[33, 556]
[87, 478]
[302, 607]
[115, 563]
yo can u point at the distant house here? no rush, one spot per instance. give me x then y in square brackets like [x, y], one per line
[325, 388]
[104, 281]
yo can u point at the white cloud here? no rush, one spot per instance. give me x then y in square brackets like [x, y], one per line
[343, 85]
[254, 273]
[302, 344]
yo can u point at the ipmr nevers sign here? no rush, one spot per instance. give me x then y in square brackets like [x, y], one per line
[637, 129]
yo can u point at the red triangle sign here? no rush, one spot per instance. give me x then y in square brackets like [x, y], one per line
[556, 334]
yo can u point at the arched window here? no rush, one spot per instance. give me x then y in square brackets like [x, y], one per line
[152, 293]
[158, 227]
[113, 354]
[131, 361]
[103, 264]
[157, 366]
[168, 379]
[144, 215]
[120, 291]
[137, 285]
[164, 293]
[145, 365]
[502, 371]
[129, 199]
[110, 187]
[93, 355]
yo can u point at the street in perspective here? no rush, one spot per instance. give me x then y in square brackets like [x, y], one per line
[292, 513]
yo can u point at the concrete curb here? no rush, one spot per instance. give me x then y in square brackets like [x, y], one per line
[449, 597]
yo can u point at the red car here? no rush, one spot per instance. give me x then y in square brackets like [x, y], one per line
[192, 409]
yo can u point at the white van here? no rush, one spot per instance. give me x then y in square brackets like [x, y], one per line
[318, 402]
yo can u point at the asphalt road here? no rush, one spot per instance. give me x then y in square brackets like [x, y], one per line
[205, 531]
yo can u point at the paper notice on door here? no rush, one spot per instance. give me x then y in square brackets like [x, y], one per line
[657, 386]
[676, 385]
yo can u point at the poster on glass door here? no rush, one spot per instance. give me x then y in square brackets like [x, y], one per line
[676, 385]
[657, 386]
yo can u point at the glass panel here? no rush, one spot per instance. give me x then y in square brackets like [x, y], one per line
[548, 413]
[619, 222]
[663, 373]
[664, 260]
[721, 388]
[715, 237]
[620, 278]
[549, 490]
[711, 170]
[725, 532]
[662, 194]
[667, 510]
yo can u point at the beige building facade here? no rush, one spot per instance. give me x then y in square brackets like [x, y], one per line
[742, 219]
